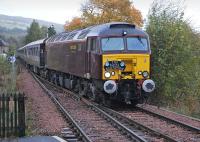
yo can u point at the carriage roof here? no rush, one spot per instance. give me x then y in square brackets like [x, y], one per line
[30, 45]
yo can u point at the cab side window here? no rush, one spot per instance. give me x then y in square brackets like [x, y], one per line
[92, 45]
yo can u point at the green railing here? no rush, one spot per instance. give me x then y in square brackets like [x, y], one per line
[12, 115]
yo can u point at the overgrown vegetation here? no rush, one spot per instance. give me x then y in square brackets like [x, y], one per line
[7, 76]
[8, 70]
[175, 58]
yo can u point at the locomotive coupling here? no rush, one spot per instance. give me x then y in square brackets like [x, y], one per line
[148, 86]
[110, 86]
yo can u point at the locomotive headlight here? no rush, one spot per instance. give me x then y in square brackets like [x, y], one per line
[107, 75]
[140, 72]
[145, 74]
[122, 64]
[107, 64]
[113, 73]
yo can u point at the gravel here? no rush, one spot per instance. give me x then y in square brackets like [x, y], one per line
[174, 131]
[182, 118]
[96, 127]
[42, 116]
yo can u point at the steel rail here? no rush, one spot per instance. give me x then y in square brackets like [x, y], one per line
[176, 122]
[136, 124]
[77, 128]
[115, 122]
[110, 119]
[176, 113]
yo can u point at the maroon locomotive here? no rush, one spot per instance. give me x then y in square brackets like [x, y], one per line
[104, 62]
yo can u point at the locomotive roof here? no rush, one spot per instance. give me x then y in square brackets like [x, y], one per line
[114, 28]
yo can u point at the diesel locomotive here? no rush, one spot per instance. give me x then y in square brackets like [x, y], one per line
[107, 62]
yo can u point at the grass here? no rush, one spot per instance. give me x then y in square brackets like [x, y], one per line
[187, 105]
[8, 74]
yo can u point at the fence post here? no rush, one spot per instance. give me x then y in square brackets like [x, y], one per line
[7, 99]
[21, 109]
[3, 115]
[15, 115]
[0, 115]
[12, 115]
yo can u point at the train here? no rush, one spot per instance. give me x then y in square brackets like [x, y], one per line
[106, 63]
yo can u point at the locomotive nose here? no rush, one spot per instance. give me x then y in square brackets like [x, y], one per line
[148, 86]
[110, 86]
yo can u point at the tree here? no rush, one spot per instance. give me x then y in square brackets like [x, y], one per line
[175, 62]
[51, 31]
[76, 23]
[104, 11]
[44, 31]
[34, 32]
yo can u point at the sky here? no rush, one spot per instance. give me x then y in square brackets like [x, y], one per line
[60, 11]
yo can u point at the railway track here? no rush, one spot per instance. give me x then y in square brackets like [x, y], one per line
[171, 120]
[194, 123]
[131, 129]
[111, 126]
[156, 123]
[87, 118]
[75, 133]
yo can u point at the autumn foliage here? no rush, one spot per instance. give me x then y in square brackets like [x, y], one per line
[104, 11]
[74, 24]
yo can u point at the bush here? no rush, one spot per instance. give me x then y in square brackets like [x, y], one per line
[175, 61]
[7, 76]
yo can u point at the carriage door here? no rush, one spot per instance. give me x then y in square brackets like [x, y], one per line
[91, 45]
[42, 55]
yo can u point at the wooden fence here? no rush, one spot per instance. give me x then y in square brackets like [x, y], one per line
[12, 115]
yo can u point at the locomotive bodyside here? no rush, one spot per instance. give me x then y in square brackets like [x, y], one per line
[66, 57]
[112, 59]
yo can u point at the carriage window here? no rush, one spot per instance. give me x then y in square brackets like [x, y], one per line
[137, 44]
[111, 44]
[38, 51]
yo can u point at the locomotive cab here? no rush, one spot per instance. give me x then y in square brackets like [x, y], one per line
[125, 58]
[126, 65]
